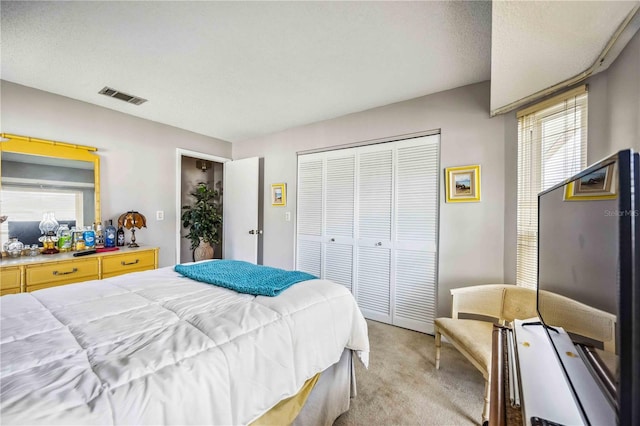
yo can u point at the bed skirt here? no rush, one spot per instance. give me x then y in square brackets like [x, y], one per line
[322, 399]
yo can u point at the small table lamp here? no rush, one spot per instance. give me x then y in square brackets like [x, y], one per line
[132, 220]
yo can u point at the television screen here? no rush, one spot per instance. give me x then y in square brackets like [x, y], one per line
[585, 250]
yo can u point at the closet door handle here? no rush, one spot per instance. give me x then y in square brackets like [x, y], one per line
[332, 240]
[379, 243]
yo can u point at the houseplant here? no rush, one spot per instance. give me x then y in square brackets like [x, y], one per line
[203, 219]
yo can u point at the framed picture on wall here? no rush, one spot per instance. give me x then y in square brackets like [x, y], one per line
[597, 185]
[279, 194]
[463, 184]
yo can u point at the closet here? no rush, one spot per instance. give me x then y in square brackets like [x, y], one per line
[368, 219]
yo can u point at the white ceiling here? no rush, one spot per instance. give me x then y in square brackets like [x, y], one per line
[239, 70]
[536, 45]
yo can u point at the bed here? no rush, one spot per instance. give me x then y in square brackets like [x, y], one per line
[156, 347]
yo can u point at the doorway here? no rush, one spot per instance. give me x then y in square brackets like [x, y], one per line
[191, 169]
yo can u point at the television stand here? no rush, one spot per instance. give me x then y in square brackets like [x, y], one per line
[545, 392]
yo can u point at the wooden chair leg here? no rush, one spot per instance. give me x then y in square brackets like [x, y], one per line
[438, 337]
[485, 410]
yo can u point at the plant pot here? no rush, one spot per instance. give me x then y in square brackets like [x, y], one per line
[203, 251]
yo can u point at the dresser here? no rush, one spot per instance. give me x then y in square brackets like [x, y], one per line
[35, 273]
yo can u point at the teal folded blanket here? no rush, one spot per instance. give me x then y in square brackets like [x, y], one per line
[243, 277]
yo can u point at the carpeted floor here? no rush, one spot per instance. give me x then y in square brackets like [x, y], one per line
[402, 386]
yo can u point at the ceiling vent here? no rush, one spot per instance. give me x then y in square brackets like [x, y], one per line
[113, 93]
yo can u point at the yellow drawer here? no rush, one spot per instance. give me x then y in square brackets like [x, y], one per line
[9, 291]
[10, 279]
[59, 273]
[129, 262]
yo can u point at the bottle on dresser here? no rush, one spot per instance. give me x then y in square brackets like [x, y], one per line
[99, 235]
[110, 235]
[79, 241]
[89, 236]
[120, 237]
[64, 238]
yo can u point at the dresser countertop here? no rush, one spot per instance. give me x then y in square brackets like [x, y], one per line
[58, 257]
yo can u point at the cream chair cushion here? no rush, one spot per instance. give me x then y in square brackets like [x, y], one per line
[472, 337]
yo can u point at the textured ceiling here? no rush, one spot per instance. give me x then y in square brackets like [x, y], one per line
[536, 45]
[238, 70]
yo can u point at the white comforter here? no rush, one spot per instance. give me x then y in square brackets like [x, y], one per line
[157, 348]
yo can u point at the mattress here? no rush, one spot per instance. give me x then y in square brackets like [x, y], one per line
[157, 348]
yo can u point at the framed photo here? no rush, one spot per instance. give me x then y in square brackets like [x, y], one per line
[598, 185]
[463, 184]
[279, 194]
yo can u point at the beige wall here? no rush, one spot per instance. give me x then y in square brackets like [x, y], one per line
[471, 234]
[614, 124]
[138, 157]
[623, 107]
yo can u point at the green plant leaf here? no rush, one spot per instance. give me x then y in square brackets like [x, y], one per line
[203, 218]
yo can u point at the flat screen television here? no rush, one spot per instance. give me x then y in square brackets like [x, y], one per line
[588, 233]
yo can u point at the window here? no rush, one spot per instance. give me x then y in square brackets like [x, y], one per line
[552, 146]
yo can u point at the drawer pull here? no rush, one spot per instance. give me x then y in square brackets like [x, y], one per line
[130, 263]
[65, 273]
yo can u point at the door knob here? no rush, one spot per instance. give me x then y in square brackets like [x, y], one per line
[256, 232]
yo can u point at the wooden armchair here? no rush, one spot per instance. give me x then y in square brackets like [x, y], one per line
[472, 337]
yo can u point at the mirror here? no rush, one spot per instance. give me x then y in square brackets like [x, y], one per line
[39, 176]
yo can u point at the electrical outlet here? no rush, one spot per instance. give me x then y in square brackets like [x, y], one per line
[159, 215]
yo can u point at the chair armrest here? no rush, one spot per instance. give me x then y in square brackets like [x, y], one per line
[483, 300]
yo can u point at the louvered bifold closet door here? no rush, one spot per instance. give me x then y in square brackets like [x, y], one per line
[368, 219]
[374, 209]
[339, 199]
[310, 218]
[416, 233]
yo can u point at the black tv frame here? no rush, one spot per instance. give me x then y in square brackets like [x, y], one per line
[628, 285]
[626, 255]
[631, 414]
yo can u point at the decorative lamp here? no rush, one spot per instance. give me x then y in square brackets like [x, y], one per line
[203, 165]
[132, 220]
[48, 226]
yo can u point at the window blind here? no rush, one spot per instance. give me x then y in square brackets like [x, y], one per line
[552, 146]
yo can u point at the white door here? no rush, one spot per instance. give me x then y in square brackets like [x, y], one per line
[325, 235]
[416, 233]
[310, 207]
[240, 210]
[339, 217]
[374, 219]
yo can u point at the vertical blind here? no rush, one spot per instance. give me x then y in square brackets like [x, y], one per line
[552, 146]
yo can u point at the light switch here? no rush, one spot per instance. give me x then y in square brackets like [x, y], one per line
[287, 216]
[159, 215]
